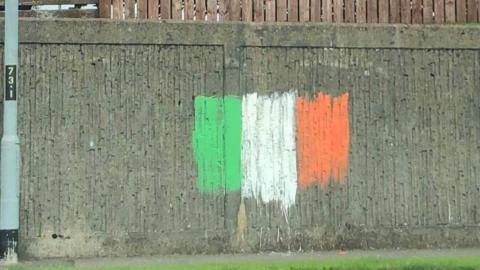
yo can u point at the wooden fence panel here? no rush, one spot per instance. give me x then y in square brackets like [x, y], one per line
[142, 9]
[117, 9]
[247, 10]
[461, 6]
[349, 11]
[152, 9]
[282, 10]
[472, 11]
[316, 11]
[333, 11]
[439, 8]
[258, 12]
[222, 9]
[361, 11]
[338, 11]
[270, 10]
[427, 11]
[211, 10]
[372, 9]
[304, 10]
[395, 11]
[129, 9]
[104, 8]
[417, 11]
[327, 11]
[450, 10]
[233, 10]
[188, 10]
[200, 7]
[292, 11]
[383, 11]
[165, 9]
[406, 11]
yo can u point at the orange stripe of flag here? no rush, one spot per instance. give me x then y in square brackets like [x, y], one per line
[322, 139]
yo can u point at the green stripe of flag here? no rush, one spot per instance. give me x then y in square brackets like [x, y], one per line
[216, 141]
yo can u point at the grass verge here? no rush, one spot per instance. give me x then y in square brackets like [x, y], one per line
[414, 263]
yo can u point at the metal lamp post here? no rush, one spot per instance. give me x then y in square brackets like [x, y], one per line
[10, 148]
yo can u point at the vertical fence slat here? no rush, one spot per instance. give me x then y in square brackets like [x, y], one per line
[188, 11]
[142, 9]
[104, 8]
[338, 11]
[233, 10]
[316, 12]
[292, 11]
[361, 11]
[117, 9]
[247, 10]
[395, 11]
[439, 8]
[472, 11]
[427, 11]
[349, 11]
[200, 10]
[461, 11]
[383, 11]
[152, 9]
[129, 9]
[281, 10]
[237, 7]
[450, 10]
[327, 11]
[270, 10]
[258, 10]
[212, 10]
[165, 9]
[304, 10]
[372, 9]
[417, 11]
[222, 9]
[406, 11]
[176, 9]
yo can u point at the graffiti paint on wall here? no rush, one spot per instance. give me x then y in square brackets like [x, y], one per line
[216, 141]
[269, 162]
[322, 139]
[270, 145]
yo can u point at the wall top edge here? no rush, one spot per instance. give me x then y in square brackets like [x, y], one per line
[238, 34]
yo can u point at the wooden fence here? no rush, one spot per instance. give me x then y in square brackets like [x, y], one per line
[349, 11]
[338, 11]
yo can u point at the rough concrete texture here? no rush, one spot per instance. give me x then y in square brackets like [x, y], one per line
[106, 119]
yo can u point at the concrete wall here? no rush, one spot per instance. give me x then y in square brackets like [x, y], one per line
[108, 115]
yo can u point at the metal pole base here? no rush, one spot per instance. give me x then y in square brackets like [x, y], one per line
[8, 247]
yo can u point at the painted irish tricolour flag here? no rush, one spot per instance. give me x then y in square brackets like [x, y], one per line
[269, 146]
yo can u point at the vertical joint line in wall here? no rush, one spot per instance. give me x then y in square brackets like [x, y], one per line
[395, 151]
[224, 79]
